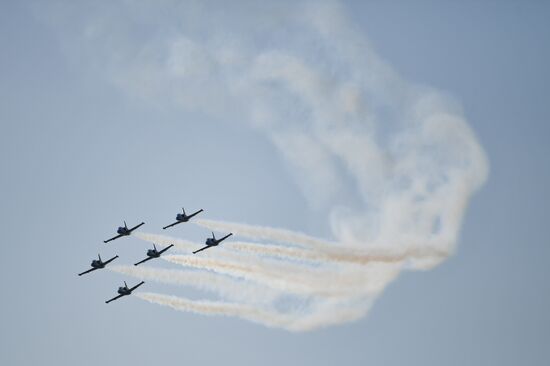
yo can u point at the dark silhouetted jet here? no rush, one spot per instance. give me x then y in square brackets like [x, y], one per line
[182, 218]
[154, 253]
[124, 291]
[123, 231]
[98, 264]
[212, 242]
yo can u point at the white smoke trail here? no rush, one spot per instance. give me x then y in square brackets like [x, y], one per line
[321, 282]
[224, 286]
[256, 274]
[417, 255]
[263, 232]
[286, 276]
[269, 318]
[324, 252]
[277, 251]
[189, 246]
[428, 256]
[296, 321]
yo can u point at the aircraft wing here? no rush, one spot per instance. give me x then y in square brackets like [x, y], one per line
[88, 271]
[174, 224]
[113, 238]
[136, 286]
[145, 260]
[196, 213]
[135, 227]
[225, 237]
[114, 298]
[165, 249]
[201, 249]
[110, 260]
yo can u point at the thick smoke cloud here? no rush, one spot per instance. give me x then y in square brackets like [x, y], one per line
[393, 164]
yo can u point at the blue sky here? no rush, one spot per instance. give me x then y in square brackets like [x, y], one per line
[79, 155]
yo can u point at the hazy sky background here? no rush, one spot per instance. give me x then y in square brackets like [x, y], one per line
[78, 156]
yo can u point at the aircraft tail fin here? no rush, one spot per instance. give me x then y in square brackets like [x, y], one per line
[126, 226]
[99, 257]
[125, 284]
[183, 210]
[213, 236]
[154, 246]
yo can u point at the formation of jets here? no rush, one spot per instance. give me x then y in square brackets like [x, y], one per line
[151, 253]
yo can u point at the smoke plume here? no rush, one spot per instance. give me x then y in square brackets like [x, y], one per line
[391, 163]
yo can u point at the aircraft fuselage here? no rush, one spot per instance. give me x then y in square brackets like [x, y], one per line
[97, 264]
[123, 231]
[124, 291]
[153, 253]
[182, 217]
[212, 242]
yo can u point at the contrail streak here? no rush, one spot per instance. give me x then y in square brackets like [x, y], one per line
[207, 281]
[253, 273]
[343, 255]
[295, 321]
[419, 257]
[322, 282]
[205, 307]
[265, 233]
[190, 246]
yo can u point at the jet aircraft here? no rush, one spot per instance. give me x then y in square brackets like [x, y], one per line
[182, 218]
[123, 231]
[212, 242]
[98, 264]
[154, 253]
[124, 291]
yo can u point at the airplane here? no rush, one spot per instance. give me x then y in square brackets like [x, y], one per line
[212, 242]
[124, 291]
[123, 231]
[182, 218]
[154, 253]
[98, 264]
